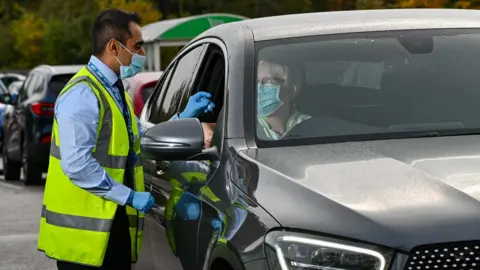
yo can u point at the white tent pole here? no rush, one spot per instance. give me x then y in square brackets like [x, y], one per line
[156, 52]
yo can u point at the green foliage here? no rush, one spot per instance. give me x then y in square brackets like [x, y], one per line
[57, 31]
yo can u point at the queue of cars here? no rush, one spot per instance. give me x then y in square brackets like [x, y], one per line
[26, 122]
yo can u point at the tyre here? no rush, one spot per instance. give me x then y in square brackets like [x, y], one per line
[11, 168]
[32, 172]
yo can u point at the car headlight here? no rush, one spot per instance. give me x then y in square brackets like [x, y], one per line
[295, 251]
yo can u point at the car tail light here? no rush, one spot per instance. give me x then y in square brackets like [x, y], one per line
[46, 139]
[43, 109]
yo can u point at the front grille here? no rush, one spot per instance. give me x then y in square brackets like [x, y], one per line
[458, 256]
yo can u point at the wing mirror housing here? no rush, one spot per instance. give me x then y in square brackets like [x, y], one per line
[176, 140]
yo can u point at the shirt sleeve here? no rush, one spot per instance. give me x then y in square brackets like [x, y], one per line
[141, 128]
[77, 114]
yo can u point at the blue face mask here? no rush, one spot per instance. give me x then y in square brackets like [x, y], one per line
[138, 61]
[268, 100]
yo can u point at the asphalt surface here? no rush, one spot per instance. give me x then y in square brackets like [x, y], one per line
[20, 208]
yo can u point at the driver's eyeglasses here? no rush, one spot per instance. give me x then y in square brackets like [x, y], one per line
[270, 80]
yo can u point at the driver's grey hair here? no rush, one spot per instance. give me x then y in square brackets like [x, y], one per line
[276, 70]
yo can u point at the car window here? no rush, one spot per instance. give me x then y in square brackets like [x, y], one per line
[147, 92]
[7, 80]
[179, 84]
[15, 87]
[376, 85]
[211, 78]
[58, 82]
[160, 89]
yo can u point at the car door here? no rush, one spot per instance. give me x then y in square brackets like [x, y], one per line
[190, 245]
[165, 102]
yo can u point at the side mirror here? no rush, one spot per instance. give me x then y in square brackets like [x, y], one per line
[6, 98]
[176, 140]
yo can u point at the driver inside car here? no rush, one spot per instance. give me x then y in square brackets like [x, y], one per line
[276, 93]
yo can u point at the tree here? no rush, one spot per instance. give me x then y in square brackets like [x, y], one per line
[144, 8]
[27, 34]
[422, 3]
[65, 38]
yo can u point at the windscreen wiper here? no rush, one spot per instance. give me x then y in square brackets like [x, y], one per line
[424, 135]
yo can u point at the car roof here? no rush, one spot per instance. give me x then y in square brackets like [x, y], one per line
[336, 22]
[58, 70]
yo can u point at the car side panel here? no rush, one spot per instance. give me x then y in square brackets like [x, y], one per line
[244, 222]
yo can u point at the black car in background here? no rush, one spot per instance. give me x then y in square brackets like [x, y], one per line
[384, 175]
[27, 126]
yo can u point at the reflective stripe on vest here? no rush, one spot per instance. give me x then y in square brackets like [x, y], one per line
[86, 223]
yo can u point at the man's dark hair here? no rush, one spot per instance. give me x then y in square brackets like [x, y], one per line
[111, 24]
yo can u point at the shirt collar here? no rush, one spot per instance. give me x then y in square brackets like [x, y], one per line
[105, 70]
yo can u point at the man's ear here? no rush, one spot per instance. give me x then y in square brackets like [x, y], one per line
[113, 47]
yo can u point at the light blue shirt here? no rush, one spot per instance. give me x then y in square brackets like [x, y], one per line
[77, 113]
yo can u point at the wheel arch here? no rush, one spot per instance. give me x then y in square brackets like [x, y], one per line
[223, 252]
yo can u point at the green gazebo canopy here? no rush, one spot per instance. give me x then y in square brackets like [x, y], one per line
[185, 29]
[178, 32]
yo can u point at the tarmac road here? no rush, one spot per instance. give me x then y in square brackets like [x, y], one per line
[20, 209]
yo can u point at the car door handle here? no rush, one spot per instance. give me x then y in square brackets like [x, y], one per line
[161, 166]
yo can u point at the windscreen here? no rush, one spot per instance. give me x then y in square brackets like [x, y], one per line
[381, 84]
[58, 82]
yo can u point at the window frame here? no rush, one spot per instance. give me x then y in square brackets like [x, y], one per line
[190, 81]
[156, 100]
[208, 65]
[147, 113]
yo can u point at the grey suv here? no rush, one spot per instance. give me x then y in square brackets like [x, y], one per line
[343, 140]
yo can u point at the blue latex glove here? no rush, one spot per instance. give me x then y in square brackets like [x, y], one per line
[198, 103]
[188, 207]
[217, 226]
[142, 201]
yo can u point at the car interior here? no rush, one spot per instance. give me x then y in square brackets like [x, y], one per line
[211, 79]
[429, 87]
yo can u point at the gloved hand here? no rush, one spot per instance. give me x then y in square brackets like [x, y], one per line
[198, 103]
[142, 201]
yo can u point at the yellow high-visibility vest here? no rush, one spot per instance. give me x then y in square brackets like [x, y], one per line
[75, 224]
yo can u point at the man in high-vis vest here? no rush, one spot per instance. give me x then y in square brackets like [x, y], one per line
[94, 201]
